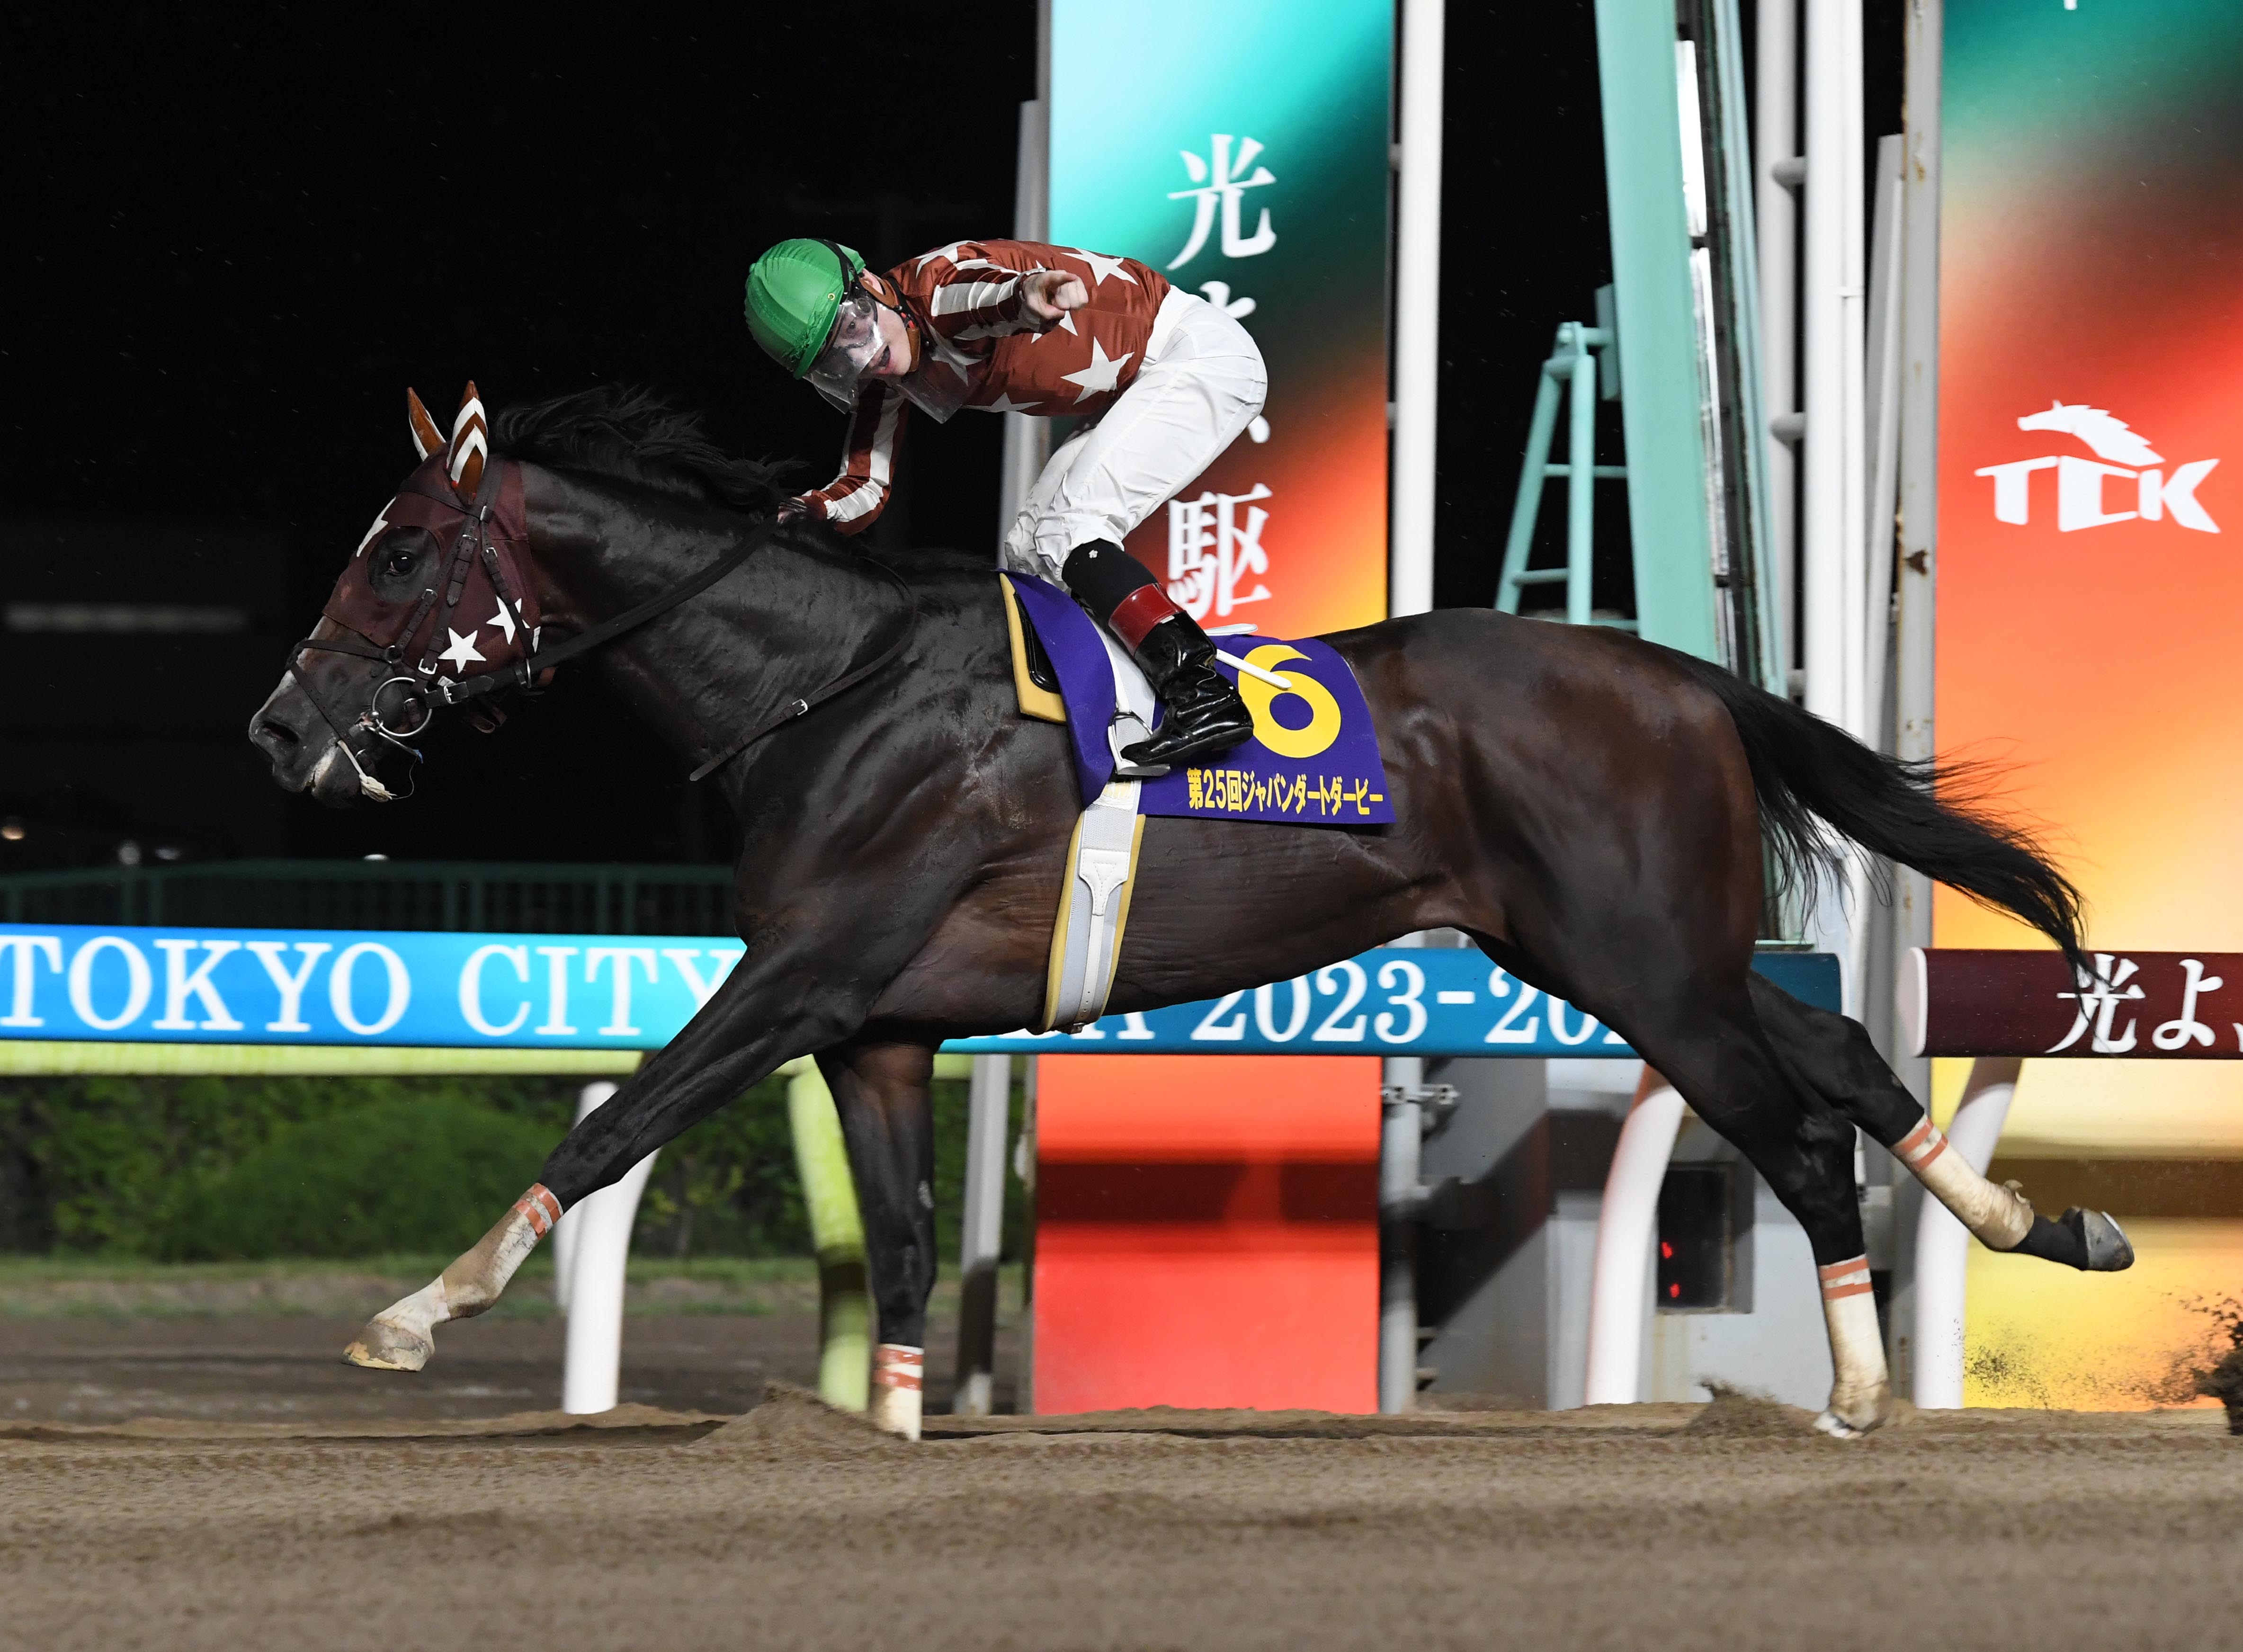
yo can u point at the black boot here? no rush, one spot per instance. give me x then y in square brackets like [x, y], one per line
[1205, 714]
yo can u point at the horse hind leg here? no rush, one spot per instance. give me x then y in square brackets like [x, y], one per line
[1835, 1057]
[403, 1335]
[1716, 1056]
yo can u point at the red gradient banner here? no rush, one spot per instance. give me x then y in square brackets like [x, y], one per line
[2091, 485]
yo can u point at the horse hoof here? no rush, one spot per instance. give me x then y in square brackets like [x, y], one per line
[1855, 1415]
[2108, 1248]
[384, 1345]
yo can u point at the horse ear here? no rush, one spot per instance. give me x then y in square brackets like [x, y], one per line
[470, 444]
[427, 438]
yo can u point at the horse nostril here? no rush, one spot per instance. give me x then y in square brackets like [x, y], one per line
[278, 736]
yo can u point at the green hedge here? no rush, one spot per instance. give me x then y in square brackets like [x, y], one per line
[318, 1167]
[387, 1177]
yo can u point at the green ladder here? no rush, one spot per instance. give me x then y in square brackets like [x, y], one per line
[1575, 362]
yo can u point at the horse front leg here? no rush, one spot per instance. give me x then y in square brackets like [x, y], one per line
[769, 1011]
[888, 1118]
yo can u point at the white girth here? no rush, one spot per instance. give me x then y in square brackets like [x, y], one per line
[1094, 907]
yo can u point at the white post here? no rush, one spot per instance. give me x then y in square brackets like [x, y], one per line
[981, 1232]
[597, 1253]
[1401, 1197]
[1917, 576]
[1942, 1245]
[1881, 435]
[1776, 77]
[1834, 486]
[1028, 440]
[566, 1229]
[1620, 1285]
[1416, 312]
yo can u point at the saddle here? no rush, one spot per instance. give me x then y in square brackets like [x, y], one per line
[1313, 760]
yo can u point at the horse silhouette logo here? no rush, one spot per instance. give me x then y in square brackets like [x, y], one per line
[2121, 452]
[2111, 438]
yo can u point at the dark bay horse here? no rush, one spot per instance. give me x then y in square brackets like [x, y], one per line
[1589, 808]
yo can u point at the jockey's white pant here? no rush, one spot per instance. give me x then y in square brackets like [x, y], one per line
[1203, 383]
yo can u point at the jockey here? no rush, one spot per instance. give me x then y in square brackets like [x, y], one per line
[1163, 380]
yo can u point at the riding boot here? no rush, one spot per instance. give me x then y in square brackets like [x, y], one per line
[1205, 712]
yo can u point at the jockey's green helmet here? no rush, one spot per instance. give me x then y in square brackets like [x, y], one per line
[794, 292]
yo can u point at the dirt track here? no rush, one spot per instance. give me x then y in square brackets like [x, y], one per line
[1635, 1527]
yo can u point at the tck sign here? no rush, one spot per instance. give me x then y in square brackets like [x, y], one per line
[2084, 492]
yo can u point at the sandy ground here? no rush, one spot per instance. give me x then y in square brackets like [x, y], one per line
[425, 1521]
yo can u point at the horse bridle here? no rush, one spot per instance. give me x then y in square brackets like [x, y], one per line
[473, 549]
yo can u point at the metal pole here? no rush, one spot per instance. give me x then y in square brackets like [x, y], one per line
[837, 1233]
[1919, 477]
[1580, 479]
[1028, 440]
[1526, 508]
[1834, 507]
[1882, 431]
[1832, 486]
[1401, 1142]
[1416, 311]
[1776, 75]
[1881, 434]
[982, 1232]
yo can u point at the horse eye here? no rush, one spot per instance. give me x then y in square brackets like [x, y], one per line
[400, 561]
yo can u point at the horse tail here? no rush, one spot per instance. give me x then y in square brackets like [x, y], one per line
[1816, 783]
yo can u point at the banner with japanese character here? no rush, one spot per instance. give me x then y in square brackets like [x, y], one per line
[2090, 451]
[2090, 454]
[1242, 149]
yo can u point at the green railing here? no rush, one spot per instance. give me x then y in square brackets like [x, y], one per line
[587, 898]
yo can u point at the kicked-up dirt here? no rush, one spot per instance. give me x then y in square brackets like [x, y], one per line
[1667, 1526]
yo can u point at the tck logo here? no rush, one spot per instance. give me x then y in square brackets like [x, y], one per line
[2080, 483]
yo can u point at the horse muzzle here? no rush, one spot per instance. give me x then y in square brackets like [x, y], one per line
[308, 756]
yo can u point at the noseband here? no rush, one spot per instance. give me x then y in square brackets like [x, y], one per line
[490, 540]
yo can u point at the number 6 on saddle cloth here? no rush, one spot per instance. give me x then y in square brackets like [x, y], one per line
[1313, 760]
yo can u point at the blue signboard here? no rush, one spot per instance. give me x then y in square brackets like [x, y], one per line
[634, 992]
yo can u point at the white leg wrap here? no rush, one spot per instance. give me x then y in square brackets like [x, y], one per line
[403, 1335]
[898, 1375]
[1861, 1397]
[1998, 1217]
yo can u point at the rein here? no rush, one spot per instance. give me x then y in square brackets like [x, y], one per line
[474, 547]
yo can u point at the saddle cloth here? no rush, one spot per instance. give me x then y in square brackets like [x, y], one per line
[1313, 760]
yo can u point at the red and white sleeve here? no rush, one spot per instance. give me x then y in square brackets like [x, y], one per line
[854, 500]
[979, 301]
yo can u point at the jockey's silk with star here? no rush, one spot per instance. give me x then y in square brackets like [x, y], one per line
[979, 348]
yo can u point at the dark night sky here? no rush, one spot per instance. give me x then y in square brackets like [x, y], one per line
[238, 233]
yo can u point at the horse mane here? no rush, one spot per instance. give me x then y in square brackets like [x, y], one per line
[629, 433]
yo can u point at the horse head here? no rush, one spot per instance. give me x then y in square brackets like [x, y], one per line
[440, 583]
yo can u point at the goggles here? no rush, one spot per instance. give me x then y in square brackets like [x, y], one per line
[854, 346]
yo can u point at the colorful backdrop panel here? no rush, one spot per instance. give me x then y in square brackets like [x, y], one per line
[2091, 485]
[1243, 150]
[2091, 479]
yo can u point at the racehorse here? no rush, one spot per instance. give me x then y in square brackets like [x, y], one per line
[1590, 809]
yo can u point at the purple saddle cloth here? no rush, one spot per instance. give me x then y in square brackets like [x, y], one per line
[1313, 758]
